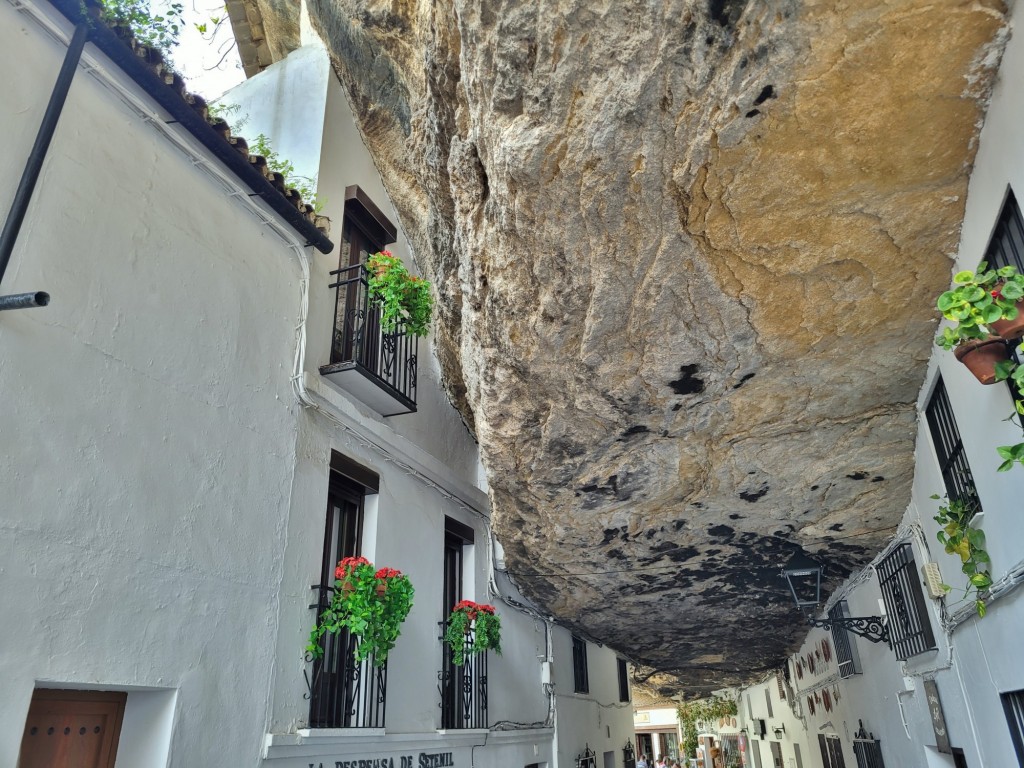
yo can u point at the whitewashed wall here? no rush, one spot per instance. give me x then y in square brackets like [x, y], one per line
[148, 441]
[597, 718]
[428, 468]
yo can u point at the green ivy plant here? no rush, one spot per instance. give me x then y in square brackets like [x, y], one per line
[959, 538]
[372, 605]
[304, 185]
[479, 618]
[978, 299]
[704, 710]
[160, 31]
[402, 298]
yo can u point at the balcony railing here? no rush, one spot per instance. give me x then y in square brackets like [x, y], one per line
[377, 367]
[344, 693]
[463, 689]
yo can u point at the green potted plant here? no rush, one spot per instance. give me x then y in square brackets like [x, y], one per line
[960, 538]
[402, 298]
[370, 604]
[981, 304]
[476, 618]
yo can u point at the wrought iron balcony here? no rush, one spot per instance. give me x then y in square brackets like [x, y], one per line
[343, 692]
[463, 689]
[377, 367]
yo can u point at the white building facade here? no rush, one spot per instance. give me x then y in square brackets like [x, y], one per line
[192, 444]
[948, 690]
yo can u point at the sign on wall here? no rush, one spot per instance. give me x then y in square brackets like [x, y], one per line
[422, 760]
[931, 691]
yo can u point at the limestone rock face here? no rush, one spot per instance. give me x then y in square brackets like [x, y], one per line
[685, 256]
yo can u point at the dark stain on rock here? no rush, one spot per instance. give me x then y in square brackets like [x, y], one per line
[726, 12]
[745, 378]
[768, 92]
[735, 516]
[650, 533]
[720, 530]
[814, 487]
[677, 406]
[688, 382]
[836, 527]
[753, 496]
[639, 429]
[678, 524]
[857, 475]
[753, 113]
[877, 479]
[617, 554]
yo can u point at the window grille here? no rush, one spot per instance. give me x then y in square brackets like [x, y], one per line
[949, 448]
[579, 666]
[343, 693]
[1013, 705]
[463, 689]
[867, 749]
[845, 646]
[1006, 249]
[910, 631]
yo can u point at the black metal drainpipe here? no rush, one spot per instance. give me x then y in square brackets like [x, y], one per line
[34, 165]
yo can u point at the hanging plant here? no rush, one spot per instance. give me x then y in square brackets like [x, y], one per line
[403, 298]
[370, 604]
[476, 618]
[985, 308]
[959, 538]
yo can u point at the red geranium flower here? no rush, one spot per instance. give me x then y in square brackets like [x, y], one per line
[347, 565]
[387, 573]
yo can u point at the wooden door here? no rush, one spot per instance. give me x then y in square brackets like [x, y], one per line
[72, 729]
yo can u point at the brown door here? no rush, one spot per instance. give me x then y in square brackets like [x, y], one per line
[72, 729]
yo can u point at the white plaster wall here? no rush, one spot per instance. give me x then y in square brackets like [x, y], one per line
[597, 718]
[299, 103]
[147, 451]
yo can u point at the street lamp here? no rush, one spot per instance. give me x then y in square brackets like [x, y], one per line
[804, 578]
[628, 756]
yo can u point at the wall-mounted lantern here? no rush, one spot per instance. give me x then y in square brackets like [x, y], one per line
[804, 578]
[588, 758]
[779, 730]
[628, 755]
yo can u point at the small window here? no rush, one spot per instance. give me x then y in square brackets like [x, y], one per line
[845, 645]
[579, 665]
[1013, 705]
[949, 449]
[623, 680]
[755, 751]
[768, 700]
[910, 630]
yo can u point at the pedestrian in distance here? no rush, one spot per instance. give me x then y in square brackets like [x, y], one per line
[642, 762]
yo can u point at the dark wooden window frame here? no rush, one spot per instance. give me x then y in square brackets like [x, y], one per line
[1013, 706]
[344, 694]
[623, 679]
[580, 673]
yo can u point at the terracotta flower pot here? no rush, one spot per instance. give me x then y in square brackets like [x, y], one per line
[1010, 329]
[981, 357]
[348, 587]
[382, 587]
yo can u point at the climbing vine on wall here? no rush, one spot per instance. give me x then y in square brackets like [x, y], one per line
[691, 713]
